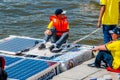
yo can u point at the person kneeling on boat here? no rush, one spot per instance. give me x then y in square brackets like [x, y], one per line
[58, 29]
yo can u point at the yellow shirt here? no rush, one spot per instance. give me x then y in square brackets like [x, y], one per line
[114, 48]
[50, 25]
[111, 14]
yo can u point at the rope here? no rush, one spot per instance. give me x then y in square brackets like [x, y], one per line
[81, 40]
[85, 36]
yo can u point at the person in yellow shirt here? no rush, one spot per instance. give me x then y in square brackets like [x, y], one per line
[115, 33]
[108, 53]
[58, 29]
[108, 17]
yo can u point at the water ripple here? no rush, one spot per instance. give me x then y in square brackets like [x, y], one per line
[31, 17]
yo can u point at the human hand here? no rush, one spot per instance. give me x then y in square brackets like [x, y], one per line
[99, 25]
[48, 32]
[95, 49]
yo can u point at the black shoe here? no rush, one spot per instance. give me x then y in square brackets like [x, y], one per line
[42, 46]
[56, 50]
[51, 47]
[92, 65]
[36, 42]
[104, 66]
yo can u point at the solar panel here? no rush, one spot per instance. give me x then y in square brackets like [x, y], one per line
[17, 44]
[10, 60]
[24, 68]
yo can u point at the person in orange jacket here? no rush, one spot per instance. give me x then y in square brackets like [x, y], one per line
[58, 29]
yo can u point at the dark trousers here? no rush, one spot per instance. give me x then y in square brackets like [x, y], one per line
[58, 40]
[104, 56]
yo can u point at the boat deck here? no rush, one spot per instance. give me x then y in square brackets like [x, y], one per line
[69, 57]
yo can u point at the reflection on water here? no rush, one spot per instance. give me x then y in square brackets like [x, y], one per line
[31, 17]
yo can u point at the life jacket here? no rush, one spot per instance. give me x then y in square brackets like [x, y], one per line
[59, 24]
[2, 62]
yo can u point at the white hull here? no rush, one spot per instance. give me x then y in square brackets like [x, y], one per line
[70, 57]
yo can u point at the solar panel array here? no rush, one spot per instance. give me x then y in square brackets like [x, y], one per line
[22, 69]
[10, 60]
[17, 44]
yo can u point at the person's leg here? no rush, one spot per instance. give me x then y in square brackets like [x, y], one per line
[99, 58]
[104, 56]
[108, 59]
[47, 37]
[107, 35]
[55, 39]
[59, 41]
[62, 40]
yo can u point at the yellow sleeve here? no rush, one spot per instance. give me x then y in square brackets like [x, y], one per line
[113, 45]
[110, 46]
[50, 25]
[68, 27]
[103, 2]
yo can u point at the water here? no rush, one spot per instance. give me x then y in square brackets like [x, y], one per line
[31, 17]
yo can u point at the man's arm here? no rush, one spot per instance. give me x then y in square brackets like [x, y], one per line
[101, 47]
[48, 31]
[50, 25]
[102, 10]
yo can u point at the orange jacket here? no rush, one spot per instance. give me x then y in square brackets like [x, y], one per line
[61, 25]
